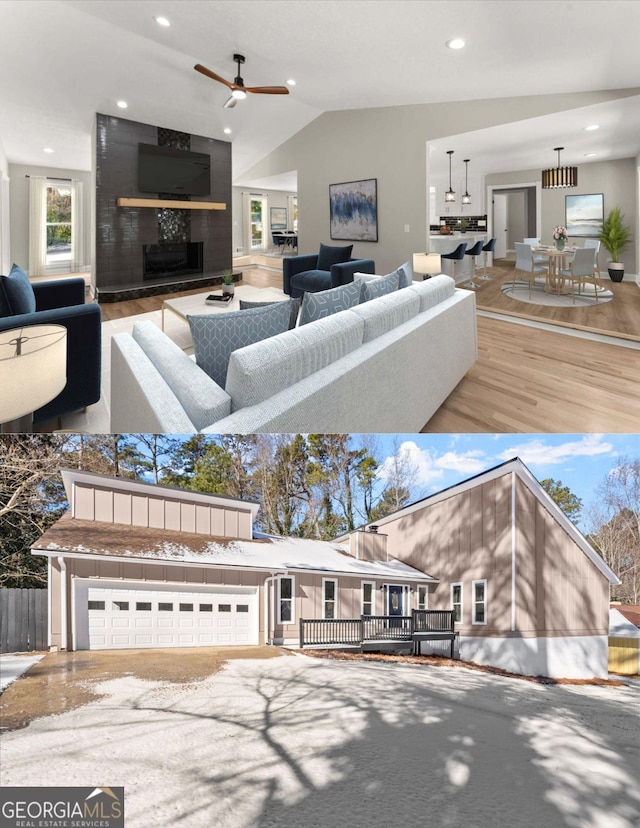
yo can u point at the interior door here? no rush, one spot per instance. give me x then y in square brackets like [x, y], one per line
[500, 225]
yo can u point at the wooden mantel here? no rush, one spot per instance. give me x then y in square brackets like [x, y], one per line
[176, 205]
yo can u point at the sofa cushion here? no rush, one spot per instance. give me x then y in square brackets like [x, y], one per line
[217, 335]
[203, 400]
[18, 293]
[310, 281]
[294, 308]
[262, 370]
[387, 312]
[332, 255]
[327, 302]
[434, 290]
[379, 287]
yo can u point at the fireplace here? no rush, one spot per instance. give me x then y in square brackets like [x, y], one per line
[175, 259]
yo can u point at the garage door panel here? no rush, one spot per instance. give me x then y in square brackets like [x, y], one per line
[159, 616]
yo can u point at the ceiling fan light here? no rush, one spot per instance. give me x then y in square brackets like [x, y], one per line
[239, 94]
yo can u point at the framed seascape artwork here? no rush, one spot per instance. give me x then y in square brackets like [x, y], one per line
[584, 215]
[353, 210]
[278, 218]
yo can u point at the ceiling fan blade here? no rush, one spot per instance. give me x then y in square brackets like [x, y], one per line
[230, 102]
[267, 90]
[204, 71]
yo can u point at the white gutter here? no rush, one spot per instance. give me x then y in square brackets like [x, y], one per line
[268, 608]
[63, 603]
[513, 551]
[49, 603]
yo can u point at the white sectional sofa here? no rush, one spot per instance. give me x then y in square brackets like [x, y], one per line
[385, 365]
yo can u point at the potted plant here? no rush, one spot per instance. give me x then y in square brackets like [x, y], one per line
[227, 283]
[615, 237]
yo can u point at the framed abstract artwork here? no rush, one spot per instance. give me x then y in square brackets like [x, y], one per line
[584, 215]
[278, 217]
[353, 210]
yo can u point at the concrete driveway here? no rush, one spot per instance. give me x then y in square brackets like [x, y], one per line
[299, 742]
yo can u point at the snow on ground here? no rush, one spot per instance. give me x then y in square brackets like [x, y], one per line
[13, 666]
[304, 743]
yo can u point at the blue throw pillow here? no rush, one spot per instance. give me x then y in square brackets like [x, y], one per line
[405, 274]
[294, 308]
[332, 255]
[379, 287]
[18, 293]
[217, 335]
[327, 302]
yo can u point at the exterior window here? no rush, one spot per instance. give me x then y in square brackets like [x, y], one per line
[96, 605]
[422, 598]
[242, 608]
[143, 606]
[368, 596]
[59, 226]
[257, 223]
[165, 607]
[285, 600]
[456, 601]
[224, 607]
[329, 597]
[120, 605]
[186, 607]
[206, 607]
[479, 601]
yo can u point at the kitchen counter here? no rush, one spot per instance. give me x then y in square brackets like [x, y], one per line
[448, 243]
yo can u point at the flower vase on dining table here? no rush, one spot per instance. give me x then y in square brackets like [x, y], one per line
[560, 237]
[559, 244]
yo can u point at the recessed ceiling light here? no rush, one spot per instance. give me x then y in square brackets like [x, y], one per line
[162, 21]
[456, 43]
[590, 154]
[227, 131]
[592, 127]
[291, 82]
[122, 104]
[48, 149]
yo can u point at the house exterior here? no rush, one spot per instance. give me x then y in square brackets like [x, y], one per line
[531, 595]
[135, 565]
[624, 639]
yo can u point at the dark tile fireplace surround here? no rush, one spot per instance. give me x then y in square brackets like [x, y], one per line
[142, 250]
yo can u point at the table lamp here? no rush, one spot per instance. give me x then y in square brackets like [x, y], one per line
[427, 264]
[33, 371]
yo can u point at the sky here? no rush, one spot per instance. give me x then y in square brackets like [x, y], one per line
[579, 461]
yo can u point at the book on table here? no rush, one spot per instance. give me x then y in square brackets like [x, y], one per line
[215, 298]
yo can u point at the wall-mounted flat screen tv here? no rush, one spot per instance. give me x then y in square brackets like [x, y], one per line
[169, 170]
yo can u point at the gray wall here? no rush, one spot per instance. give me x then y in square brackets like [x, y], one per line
[616, 180]
[277, 198]
[516, 218]
[390, 144]
[19, 192]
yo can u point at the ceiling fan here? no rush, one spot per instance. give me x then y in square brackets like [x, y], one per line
[238, 89]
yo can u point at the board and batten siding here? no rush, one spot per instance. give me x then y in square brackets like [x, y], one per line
[178, 515]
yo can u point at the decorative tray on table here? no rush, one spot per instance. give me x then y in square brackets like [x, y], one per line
[214, 298]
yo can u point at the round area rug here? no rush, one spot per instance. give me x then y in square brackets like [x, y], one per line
[587, 297]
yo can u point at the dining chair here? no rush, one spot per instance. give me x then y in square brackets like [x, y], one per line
[526, 265]
[278, 241]
[489, 247]
[582, 270]
[474, 252]
[539, 260]
[595, 243]
[456, 255]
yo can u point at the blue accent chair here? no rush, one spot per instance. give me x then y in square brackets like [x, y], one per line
[62, 302]
[300, 274]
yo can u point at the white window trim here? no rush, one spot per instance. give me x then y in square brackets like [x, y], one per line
[473, 601]
[293, 599]
[456, 584]
[426, 596]
[373, 596]
[333, 581]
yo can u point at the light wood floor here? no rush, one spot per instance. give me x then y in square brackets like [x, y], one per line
[525, 379]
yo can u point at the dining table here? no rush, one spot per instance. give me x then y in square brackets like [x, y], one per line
[556, 282]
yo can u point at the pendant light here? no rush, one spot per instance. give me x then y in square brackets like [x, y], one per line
[466, 198]
[560, 176]
[450, 194]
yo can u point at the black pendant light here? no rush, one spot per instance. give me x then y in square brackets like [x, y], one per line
[450, 194]
[466, 198]
[559, 176]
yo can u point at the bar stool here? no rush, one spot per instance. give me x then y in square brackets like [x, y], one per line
[456, 256]
[474, 252]
[489, 247]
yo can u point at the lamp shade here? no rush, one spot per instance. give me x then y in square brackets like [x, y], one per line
[33, 368]
[427, 263]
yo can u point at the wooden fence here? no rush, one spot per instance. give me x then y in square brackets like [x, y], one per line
[23, 620]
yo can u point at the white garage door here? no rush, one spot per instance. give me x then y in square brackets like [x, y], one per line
[120, 617]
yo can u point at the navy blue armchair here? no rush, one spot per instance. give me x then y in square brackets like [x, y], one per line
[300, 274]
[62, 302]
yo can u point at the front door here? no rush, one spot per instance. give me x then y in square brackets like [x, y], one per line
[395, 607]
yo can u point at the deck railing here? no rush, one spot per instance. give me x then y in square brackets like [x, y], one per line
[353, 631]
